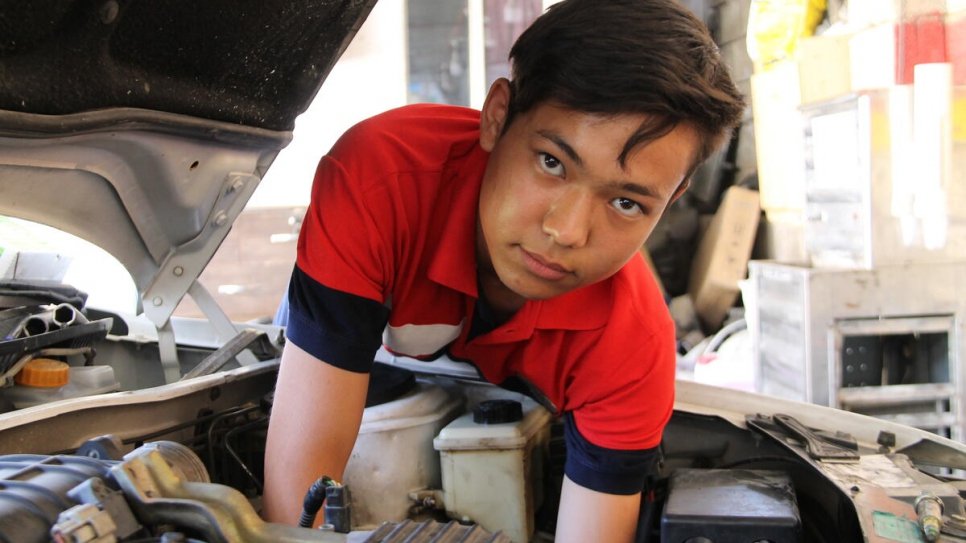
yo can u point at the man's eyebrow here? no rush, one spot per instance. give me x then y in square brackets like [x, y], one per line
[641, 190]
[626, 186]
[562, 144]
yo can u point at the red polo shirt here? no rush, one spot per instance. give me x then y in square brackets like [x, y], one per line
[388, 247]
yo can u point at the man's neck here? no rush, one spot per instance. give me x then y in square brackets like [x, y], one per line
[502, 302]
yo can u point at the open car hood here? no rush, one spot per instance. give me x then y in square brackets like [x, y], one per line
[144, 127]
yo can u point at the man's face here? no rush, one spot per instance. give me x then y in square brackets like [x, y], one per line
[557, 209]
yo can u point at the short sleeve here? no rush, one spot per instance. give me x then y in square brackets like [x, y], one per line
[338, 290]
[342, 329]
[605, 470]
[613, 439]
[634, 397]
[346, 238]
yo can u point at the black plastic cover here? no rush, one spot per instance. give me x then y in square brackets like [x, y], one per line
[730, 506]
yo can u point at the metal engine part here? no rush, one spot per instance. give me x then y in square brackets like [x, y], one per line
[408, 531]
[162, 484]
[33, 492]
[222, 514]
[218, 513]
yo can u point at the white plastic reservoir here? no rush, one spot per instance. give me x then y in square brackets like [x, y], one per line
[493, 472]
[81, 381]
[393, 455]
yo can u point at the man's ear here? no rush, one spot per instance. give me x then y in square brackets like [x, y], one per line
[678, 192]
[494, 113]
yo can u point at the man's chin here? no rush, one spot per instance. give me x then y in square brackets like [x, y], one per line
[542, 292]
[529, 287]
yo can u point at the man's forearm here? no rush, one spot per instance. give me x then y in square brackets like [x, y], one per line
[315, 419]
[587, 515]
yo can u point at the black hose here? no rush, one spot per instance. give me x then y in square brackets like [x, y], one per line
[313, 500]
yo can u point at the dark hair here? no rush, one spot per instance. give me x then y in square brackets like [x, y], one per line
[627, 56]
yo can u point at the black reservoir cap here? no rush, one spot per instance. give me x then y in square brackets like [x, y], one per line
[498, 412]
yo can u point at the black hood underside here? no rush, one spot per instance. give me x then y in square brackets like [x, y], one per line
[257, 63]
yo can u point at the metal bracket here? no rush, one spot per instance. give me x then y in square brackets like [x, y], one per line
[168, 351]
[216, 360]
[219, 320]
[182, 266]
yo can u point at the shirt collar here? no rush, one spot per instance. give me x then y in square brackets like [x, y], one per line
[586, 308]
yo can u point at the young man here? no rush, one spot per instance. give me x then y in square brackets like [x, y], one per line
[509, 238]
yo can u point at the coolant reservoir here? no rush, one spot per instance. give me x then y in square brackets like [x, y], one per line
[492, 465]
[43, 380]
[393, 455]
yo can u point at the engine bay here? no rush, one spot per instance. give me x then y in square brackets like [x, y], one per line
[437, 457]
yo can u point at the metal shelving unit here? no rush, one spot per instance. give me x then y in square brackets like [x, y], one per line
[889, 342]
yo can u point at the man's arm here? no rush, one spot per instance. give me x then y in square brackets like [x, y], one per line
[588, 515]
[315, 418]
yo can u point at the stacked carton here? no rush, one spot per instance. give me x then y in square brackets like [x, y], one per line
[870, 68]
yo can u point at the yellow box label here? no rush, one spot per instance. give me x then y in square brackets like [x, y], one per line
[959, 119]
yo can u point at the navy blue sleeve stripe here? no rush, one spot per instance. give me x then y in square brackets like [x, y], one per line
[342, 329]
[610, 471]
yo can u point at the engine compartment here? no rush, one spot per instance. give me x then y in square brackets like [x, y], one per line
[426, 461]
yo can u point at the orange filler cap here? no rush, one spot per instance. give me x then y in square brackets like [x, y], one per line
[43, 373]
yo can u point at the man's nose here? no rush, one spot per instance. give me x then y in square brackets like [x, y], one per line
[568, 219]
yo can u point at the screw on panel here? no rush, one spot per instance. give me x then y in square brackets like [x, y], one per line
[236, 184]
[157, 301]
[221, 219]
[178, 271]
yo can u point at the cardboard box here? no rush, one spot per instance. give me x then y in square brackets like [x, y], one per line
[887, 54]
[779, 144]
[781, 237]
[721, 260]
[824, 67]
[862, 13]
[921, 40]
[956, 45]
[875, 195]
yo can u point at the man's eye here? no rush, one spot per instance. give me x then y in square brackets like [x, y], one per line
[627, 207]
[550, 164]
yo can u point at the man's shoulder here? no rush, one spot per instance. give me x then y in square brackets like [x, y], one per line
[420, 123]
[419, 137]
[425, 113]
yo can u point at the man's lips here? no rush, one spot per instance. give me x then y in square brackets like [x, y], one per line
[542, 267]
